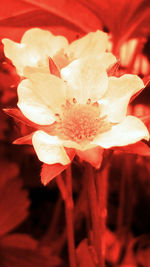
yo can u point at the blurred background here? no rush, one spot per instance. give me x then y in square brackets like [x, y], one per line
[32, 219]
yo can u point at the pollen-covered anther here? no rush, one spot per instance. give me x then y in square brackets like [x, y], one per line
[82, 122]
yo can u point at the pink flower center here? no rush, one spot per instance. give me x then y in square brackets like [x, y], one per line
[81, 122]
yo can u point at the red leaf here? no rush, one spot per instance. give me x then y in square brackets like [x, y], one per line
[113, 69]
[146, 80]
[49, 172]
[13, 209]
[139, 148]
[25, 140]
[19, 241]
[53, 68]
[94, 156]
[72, 11]
[11, 8]
[27, 257]
[38, 18]
[136, 95]
[17, 114]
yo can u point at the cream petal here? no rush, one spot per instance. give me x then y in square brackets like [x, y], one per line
[32, 106]
[28, 70]
[50, 89]
[16, 53]
[93, 42]
[86, 78]
[115, 101]
[129, 131]
[49, 149]
[44, 41]
[35, 48]
[78, 146]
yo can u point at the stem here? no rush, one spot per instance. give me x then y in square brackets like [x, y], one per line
[69, 218]
[61, 186]
[94, 209]
[102, 185]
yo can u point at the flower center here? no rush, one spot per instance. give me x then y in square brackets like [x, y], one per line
[81, 122]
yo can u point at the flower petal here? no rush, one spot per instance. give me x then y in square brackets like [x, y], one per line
[17, 54]
[50, 89]
[32, 106]
[115, 101]
[93, 42]
[49, 149]
[44, 40]
[129, 131]
[35, 48]
[86, 78]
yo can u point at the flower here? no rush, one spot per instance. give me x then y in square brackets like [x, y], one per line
[37, 46]
[83, 109]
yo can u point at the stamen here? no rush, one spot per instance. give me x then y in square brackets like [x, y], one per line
[81, 122]
[74, 100]
[88, 101]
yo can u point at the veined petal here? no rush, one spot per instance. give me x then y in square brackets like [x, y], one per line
[35, 48]
[129, 131]
[43, 39]
[49, 89]
[49, 148]
[81, 147]
[93, 42]
[115, 101]
[86, 78]
[28, 70]
[32, 106]
[16, 53]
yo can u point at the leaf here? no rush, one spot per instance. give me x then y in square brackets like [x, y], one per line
[49, 172]
[94, 156]
[17, 114]
[135, 13]
[9, 8]
[18, 241]
[72, 11]
[53, 68]
[26, 257]
[25, 140]
[9, 171]
[38, 18]
[140, 148]
[13, 205]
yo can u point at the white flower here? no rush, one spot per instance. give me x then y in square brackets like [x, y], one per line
[84, 108]
[37, 46]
